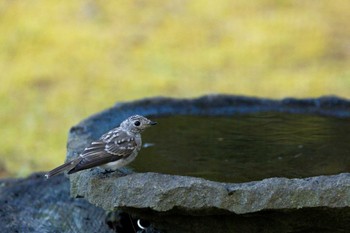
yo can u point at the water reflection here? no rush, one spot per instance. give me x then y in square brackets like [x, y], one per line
[247, 147]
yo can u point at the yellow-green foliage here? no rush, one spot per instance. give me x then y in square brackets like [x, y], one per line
[62, 61]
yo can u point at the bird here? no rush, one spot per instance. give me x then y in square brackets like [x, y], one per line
[114, 149]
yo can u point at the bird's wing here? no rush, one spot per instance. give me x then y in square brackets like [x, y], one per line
[111, 147]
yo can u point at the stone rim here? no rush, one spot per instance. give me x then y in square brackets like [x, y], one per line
[297, 193]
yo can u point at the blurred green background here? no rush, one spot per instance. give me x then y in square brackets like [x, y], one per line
[62, 61]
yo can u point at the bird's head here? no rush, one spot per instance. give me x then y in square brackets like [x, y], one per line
[136, 124]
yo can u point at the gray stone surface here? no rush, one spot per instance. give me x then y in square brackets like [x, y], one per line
[36, 205]
[196, 196]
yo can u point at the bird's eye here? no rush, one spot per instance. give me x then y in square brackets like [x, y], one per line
[137, 123]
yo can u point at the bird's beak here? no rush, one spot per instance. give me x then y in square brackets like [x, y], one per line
[152, 123]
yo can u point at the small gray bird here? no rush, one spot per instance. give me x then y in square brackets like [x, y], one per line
[113, 150]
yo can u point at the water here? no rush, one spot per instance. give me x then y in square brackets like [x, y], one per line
[246, 147]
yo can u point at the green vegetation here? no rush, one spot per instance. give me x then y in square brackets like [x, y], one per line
[62, 61]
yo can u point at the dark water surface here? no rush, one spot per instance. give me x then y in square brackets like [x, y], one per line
[246, 147]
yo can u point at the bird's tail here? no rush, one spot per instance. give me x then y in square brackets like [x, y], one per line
[64, 167]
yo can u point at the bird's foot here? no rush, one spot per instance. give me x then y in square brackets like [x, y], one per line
[120, 172]
[107, 171]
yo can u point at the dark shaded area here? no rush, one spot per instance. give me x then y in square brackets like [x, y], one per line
[308, 220]
[36, 205]
[122, 222]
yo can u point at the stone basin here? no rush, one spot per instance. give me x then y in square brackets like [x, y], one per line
[165, 199]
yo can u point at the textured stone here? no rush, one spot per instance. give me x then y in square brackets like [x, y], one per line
[35, 204]
[198, 196]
